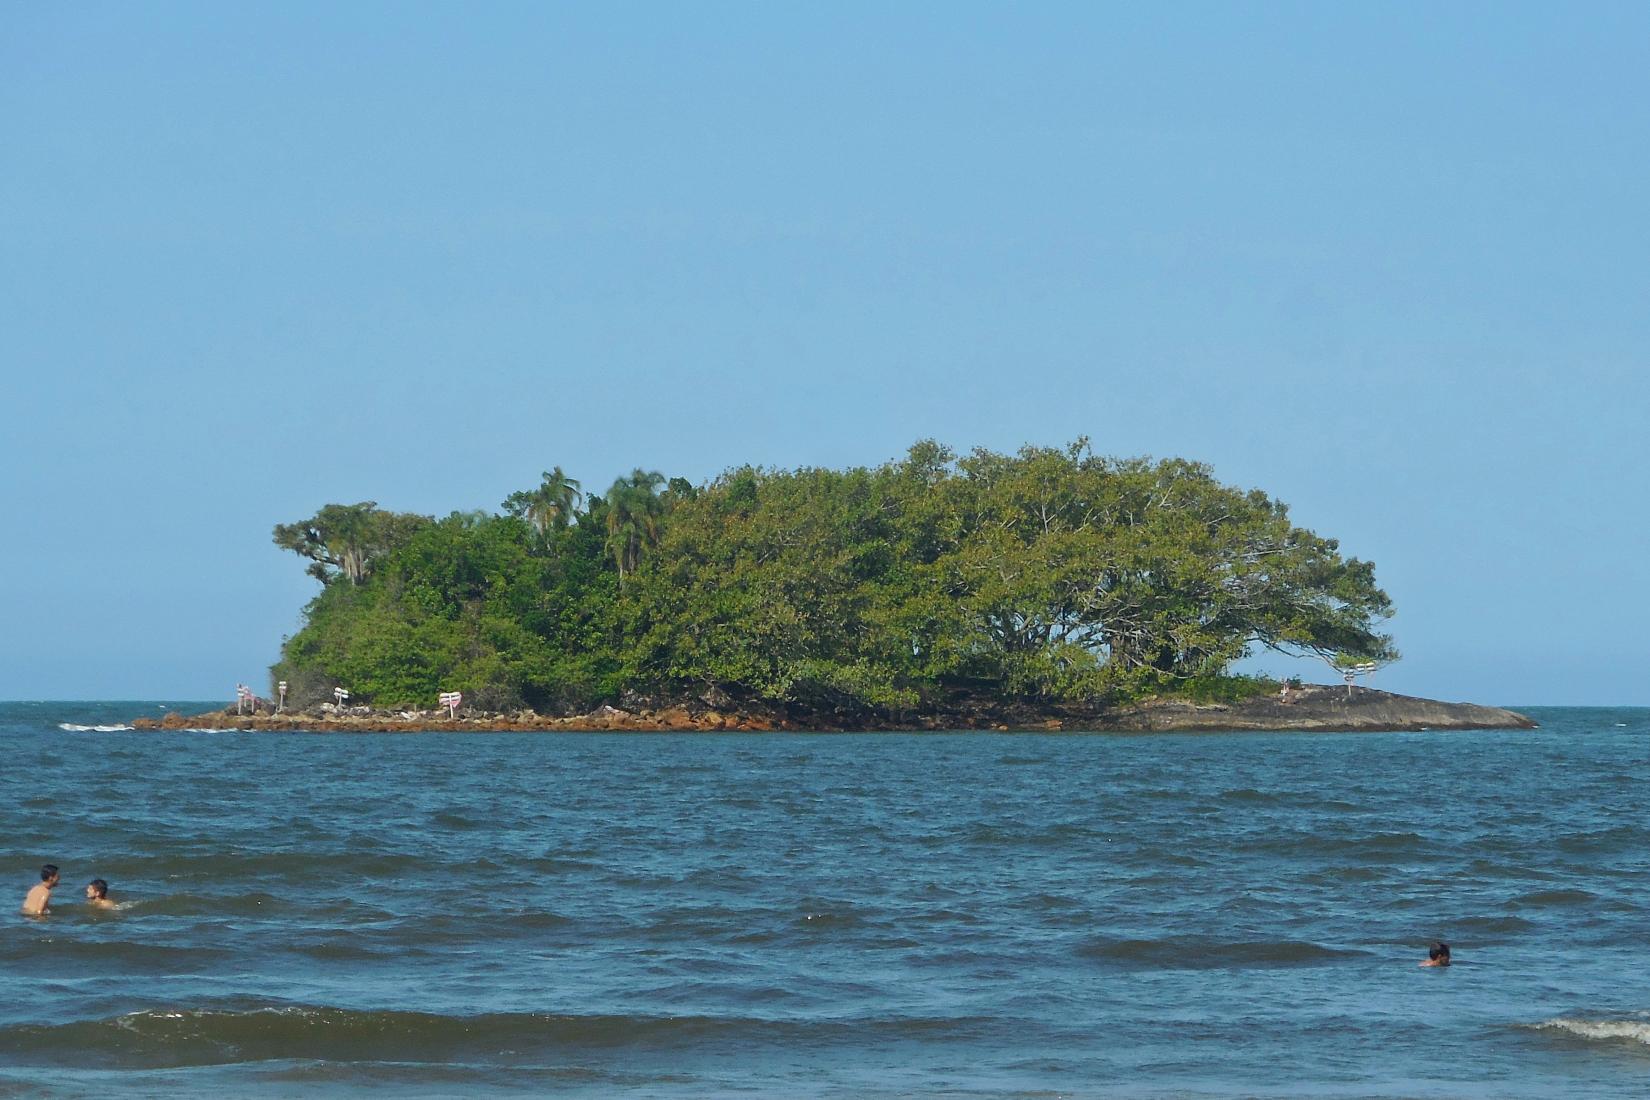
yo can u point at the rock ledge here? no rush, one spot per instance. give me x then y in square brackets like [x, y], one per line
[1311, 708]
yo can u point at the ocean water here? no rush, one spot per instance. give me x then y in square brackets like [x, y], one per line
[925, 915]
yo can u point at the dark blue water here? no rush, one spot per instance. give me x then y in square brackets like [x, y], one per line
[830, 915]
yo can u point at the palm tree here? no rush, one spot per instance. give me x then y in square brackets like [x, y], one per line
[548, 506]
[633, 514]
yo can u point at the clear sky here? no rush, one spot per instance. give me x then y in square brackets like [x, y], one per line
[1386, 262]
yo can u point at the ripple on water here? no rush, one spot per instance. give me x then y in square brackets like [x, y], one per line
[569, 863]
[1554, 899]
[221, 864]
[828, 920]
[188, 1036]
[1600, 842]
[1494, 929]
[1203, 953]
[1346, 873]
[1251, 796]
[66, 956]
[353, 949]
[253, 904]
[1492, 869]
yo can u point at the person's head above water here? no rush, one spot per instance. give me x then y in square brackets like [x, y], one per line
[97, 890]
[1437, 954]
[48, 874]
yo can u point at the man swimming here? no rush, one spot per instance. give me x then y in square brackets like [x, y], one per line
[36, 901]
[97, 894]
[1437, 955]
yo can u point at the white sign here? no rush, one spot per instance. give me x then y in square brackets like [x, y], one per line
[451, 700]
[1351, 674]
[340, 694]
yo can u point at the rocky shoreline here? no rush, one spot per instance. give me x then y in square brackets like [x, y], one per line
[1310, 708]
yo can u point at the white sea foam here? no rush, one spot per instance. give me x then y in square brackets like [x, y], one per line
[72, 728]
[1636, 1031]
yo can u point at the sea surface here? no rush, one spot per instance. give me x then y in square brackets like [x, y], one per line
[923, 915]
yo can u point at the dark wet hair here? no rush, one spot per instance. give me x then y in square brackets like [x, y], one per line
[1439, 950]
[100, 887]
[47, 872]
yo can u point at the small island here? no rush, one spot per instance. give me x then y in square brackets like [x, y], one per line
[1050, 588]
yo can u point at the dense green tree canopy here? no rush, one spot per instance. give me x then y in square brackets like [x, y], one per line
[1050, 574]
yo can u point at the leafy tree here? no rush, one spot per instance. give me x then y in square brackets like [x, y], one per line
[345, 539]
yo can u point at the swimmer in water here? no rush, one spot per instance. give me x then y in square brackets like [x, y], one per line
[35, 903]
[1437, 955]
[97, 895]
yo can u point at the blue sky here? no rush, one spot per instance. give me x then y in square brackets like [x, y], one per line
[1388, 265]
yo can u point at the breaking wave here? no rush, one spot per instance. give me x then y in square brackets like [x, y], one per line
[1629, 1031]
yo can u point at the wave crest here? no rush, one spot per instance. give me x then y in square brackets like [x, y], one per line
[1632, 1031]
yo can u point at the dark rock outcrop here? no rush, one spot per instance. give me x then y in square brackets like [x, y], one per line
[1318, 707]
